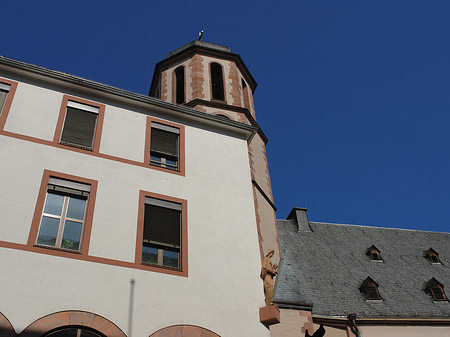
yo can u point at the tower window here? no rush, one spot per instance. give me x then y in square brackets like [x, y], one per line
[370, 288]
[179, 79]
[436, 290]
[432, 255]
[217, 82]
[374, 254]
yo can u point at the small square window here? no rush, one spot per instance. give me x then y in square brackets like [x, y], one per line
[165, 146]
[4, 90]
[63, 217]
[79, 125]
[161, 243]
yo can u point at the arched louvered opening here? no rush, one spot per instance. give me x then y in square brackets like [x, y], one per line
[179, 89]
[217, 82]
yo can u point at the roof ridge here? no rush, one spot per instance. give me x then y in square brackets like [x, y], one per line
[375, 227]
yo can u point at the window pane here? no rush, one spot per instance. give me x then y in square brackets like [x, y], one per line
[71, 235]
[3, 94]
[149, 255]
[170, 259]
[48, 231]
[155, 159]
[66, 332]
[172, 163]
[53, 204]
[72, 332]
[76, 208]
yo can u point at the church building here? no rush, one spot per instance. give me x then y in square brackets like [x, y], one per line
[129, 215]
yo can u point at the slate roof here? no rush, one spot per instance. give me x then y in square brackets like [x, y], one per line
[327, 265]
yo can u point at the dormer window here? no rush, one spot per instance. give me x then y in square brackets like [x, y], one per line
[436, 290]
[432, 256]
[370, 288]
[374, 254]
[217, 82]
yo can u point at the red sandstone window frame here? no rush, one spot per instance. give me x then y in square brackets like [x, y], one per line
[181, 146]
[98, 128]
[35, 224]
[8, 101]
[183, 271]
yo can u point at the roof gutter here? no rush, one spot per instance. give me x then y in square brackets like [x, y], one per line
[249, 130]
[293, 305]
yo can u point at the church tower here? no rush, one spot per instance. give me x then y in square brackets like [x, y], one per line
[210, 78]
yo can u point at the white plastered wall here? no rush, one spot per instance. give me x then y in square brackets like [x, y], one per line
[223, 291]
[34, 111]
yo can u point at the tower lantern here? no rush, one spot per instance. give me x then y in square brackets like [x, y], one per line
[210, 78]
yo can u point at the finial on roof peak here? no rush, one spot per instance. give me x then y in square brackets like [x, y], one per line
[200, 34]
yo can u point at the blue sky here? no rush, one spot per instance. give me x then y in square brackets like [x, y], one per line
[353, 95]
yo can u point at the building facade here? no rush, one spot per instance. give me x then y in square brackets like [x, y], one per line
[116, 206]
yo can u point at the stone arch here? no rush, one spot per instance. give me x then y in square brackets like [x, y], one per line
[184, 331]
[6, 328]
[72, 318]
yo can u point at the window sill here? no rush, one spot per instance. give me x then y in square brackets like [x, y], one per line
[377, 261]
[160, 267]
[374, 301]
[168, 169]
[81, 147]
[58, 249]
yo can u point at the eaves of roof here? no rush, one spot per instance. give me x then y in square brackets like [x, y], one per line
[24, 69]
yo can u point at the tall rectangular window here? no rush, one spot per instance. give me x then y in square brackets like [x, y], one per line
[161, 244]
[164, 146]
[79, 125]
[4, 89]
[64, 214]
